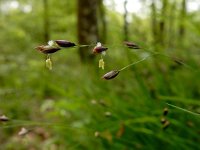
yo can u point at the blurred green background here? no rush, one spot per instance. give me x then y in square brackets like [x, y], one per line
[71, 107]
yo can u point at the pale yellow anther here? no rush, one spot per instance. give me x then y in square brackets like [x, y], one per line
[101, 63]
[49, 63]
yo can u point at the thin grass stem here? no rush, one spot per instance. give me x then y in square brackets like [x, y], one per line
[188, 111]
[168, 56]
[134, 63]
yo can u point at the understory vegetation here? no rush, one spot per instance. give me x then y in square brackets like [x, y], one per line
[151, 105]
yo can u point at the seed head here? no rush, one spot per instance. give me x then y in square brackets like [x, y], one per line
[110, 75]
[107, 114]
[163, 120]
[23, 131]
[65, 43]
[99, 48]
[94, 102]
[96, 134]
[165, 111]
[121, 130]
[131, 45]
[47, 49]
[103, 103]
[3, 118]
[166, 125]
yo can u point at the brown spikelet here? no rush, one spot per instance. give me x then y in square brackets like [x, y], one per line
[131, 45]
[163, 120]
[166, 125]
[121, 130]
[65, 43]
[110, 75]
[46, 49]
[165, 111]
[99, 49]
[3, 118]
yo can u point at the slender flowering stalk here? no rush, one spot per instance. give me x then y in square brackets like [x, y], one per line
[178, 61]
[56, 45]
[133, 45]
[134, 63]
[80, 46]
[29, 123]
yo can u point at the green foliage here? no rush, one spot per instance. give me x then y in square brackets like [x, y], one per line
[71, 107]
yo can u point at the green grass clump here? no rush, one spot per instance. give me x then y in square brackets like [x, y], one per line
[72, 107]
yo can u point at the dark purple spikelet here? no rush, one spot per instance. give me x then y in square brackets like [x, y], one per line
[99, 49]
[166, 125]
[131, 45]
[163, 120]
[65, 43]
[3, 118]
[165, 111]
[110, 75]
[46, 49]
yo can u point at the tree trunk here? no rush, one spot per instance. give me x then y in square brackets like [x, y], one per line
[154, 23]
[182, 19]
[126, 37]
[46, 21]
[1, 15]
[172, 20]
[102, 22]
[87, 27]
[163, 22]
